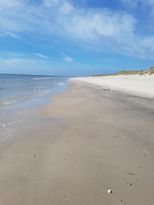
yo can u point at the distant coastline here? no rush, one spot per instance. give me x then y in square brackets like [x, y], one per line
[148, 71]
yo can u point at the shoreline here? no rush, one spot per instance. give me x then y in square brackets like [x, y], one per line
[26, 111]
[85, 142]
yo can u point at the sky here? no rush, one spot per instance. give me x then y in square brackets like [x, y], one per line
[75, 37]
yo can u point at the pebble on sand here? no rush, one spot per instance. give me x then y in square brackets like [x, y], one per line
[109, 191]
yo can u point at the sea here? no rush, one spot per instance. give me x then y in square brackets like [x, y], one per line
[20, 95]
[21, 90]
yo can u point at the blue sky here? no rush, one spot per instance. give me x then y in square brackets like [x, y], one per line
[75, 37]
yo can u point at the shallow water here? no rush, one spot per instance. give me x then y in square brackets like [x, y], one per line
[20, 98]
[15, 89]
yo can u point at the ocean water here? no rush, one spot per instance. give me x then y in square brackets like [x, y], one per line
[20, 90]
[21, 96]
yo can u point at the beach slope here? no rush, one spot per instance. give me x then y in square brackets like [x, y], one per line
[91, 146]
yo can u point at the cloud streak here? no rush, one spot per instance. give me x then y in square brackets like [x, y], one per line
[40, 55]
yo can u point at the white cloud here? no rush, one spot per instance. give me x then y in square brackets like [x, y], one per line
[40, 55]
[66, 8]
[68, 59]
[130, 3]
[99, 25]
[10, 58]
[101, 28]
[138, 3]
[21, 61]
[9, 3]
[9, 34]
[14, 61]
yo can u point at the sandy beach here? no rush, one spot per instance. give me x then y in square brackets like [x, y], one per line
[89, 145]
[138, 85]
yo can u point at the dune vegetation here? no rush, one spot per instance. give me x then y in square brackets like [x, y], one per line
[148, 71]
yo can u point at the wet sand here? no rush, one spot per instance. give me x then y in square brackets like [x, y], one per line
[88, 146]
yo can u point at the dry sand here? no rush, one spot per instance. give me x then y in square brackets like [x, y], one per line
[84, 143]
[139, 85]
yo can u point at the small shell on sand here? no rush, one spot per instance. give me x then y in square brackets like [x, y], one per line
[109, 191]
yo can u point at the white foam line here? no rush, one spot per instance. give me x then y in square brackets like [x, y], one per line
[3, 139]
